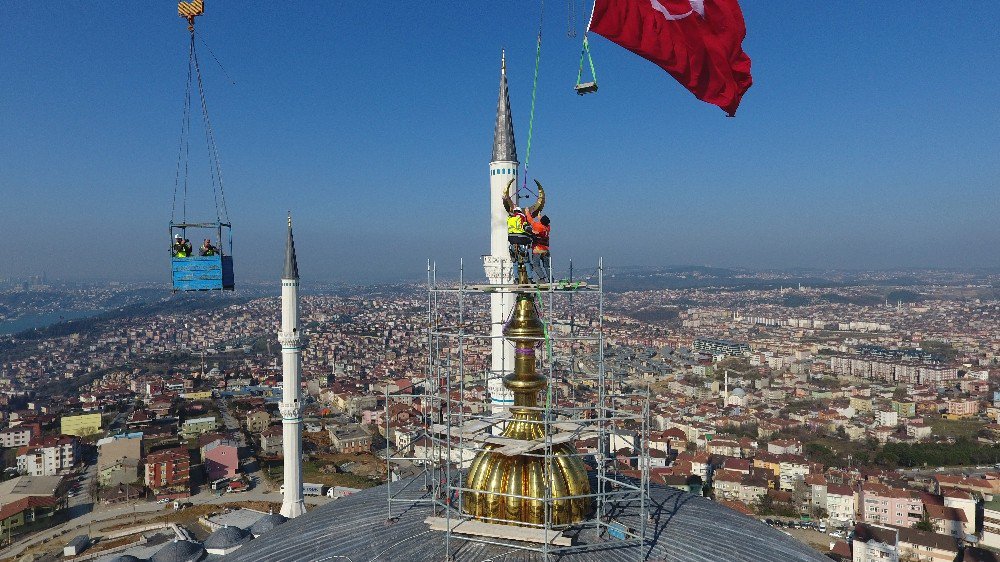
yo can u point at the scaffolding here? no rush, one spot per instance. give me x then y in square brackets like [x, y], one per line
[608, 424]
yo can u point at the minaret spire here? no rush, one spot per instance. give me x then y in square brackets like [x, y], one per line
[291, 264]
[504, 148]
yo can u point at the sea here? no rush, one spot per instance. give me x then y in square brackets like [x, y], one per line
[43, 320]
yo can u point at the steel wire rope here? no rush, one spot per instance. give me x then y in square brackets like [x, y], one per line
[215, 167]
[534, 92]
[184, 148]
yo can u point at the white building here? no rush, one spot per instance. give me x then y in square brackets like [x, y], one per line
[15, 437]
[991, 525]
[875, 543]
[841, 504]
[49, 456]
[886, 418]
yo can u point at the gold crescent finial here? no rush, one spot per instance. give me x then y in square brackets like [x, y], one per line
[540, 202]
[507, 203]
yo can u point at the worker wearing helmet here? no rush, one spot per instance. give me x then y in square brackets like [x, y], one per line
[517, 234]
[207, 249]
[179, 250]
[541, 261]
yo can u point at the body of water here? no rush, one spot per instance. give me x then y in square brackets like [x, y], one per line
[42, 320]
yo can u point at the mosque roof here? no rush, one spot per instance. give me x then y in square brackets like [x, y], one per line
[684, 528]
[266, 523]
[226, 537]
[179, 551]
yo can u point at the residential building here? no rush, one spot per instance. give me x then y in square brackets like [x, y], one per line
[785, 447]
[891, 543]
[841, 504]
[18, 436]
[272, 441]
[26, 499]
[48, 456]
[118, 459]
[168, 472]
[886, 418]
[962, 408]
[960, 499]
[947, 520]
[904, 408]
[875, 543]
[991, 524]
[792, 470]
[194, 427]
[221, 459]
[350, 439]
[257, 421]
[918, 430]
[879, 503]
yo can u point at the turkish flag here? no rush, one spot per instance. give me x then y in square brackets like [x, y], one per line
[699, 42]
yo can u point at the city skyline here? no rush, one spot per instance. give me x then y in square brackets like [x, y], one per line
[843, 155]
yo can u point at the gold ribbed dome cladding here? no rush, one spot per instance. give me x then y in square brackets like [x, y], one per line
[496, 478]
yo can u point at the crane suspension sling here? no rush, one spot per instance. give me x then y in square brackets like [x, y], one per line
[586, 87]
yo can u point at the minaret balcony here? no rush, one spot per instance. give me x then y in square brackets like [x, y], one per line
[289, 339]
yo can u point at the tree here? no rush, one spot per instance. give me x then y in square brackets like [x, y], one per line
[764, 505]
[924, 524]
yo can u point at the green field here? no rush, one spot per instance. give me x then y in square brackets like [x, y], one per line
[955, 428]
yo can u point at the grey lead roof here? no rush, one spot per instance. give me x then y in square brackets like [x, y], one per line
[179, 551]
[291, 264]
[685, 528]
[504, 149]
[266, 523]
[226, 537]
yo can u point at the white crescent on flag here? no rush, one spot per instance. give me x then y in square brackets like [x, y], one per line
[696, 6]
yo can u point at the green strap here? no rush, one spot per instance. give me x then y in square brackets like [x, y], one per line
[548, 347]
[585, 52]
[534, 90]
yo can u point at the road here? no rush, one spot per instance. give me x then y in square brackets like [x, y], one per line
[105, 513]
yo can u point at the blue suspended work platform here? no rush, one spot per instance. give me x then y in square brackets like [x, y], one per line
[194, 271]
[202, 273]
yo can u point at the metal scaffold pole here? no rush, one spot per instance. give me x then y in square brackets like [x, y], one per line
[582, 415]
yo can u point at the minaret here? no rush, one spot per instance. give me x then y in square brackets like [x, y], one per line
[291, 413]
[503, 169]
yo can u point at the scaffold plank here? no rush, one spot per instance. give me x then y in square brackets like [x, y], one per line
[558, 286]
[495, 531]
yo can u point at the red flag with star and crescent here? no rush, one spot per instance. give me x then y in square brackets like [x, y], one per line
[699, 42]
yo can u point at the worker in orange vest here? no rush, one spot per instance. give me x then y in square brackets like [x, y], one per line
[541, 261]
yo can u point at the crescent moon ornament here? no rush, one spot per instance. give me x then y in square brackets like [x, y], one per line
[540, 202]
[507, 203]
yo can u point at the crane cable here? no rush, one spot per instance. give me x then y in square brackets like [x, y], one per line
[215, 168]
[534, 92]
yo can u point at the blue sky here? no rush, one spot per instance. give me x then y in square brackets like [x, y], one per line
[871, 138]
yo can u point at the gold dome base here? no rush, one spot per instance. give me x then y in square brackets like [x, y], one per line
[493, 475]
[497, 478]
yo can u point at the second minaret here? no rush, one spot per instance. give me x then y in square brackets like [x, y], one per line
[292, 504]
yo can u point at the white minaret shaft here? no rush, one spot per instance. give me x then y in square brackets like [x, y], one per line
[292, 504]
[503, 169]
